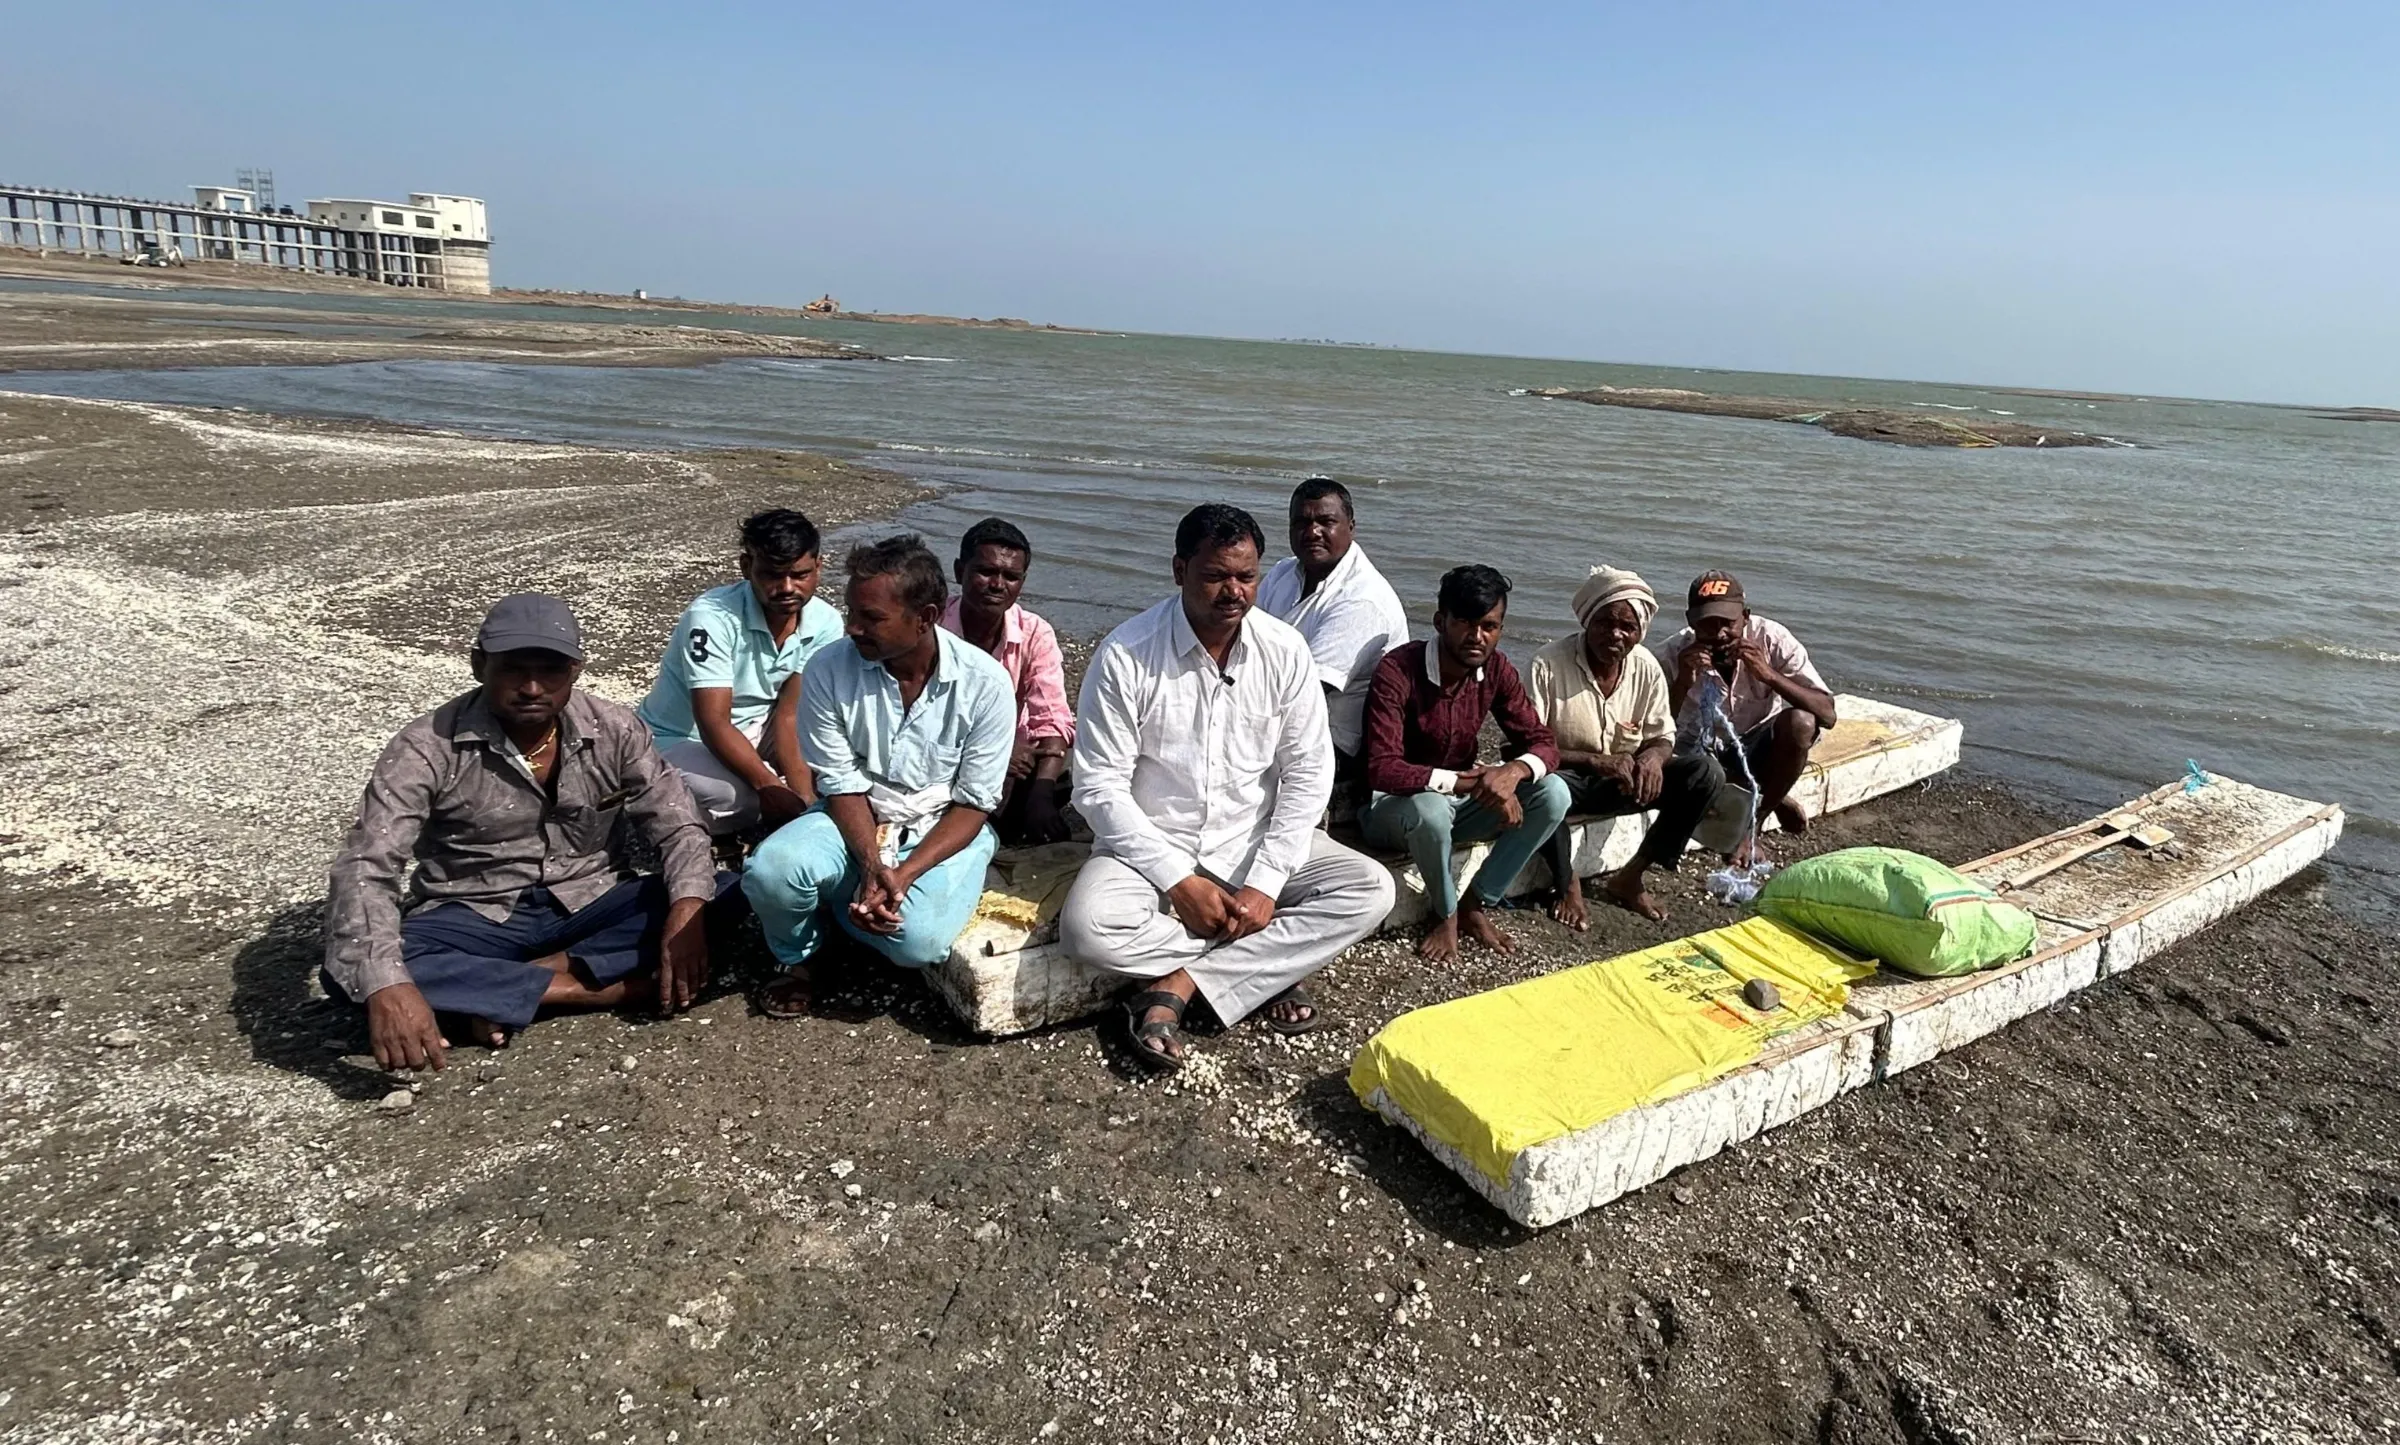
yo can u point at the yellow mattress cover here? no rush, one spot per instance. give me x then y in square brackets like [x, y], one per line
[1493, 1074]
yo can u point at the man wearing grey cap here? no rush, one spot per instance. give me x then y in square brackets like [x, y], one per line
[506, 799]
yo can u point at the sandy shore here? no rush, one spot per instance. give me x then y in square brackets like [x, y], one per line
[2166, 1211]
[42, 331]
[1895, 425]
[31, 265]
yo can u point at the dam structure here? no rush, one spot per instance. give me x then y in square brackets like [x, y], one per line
[440, 242]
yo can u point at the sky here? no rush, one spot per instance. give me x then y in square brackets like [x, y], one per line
[2197, 199]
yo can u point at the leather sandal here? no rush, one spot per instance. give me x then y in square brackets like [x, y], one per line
[1139, 1034]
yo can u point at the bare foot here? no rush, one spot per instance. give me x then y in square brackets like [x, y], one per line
[1569, 908]
[1440, 942]
[473, 1029]
[1478, 925]
[567, 990]
[1748, 852]
[1624, 889]
[1792, 817]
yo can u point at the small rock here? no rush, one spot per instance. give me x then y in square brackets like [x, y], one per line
[852, 1191]
[1684, 1195]
[398, 1101]
[840, 1168]
[987, 1231]
[124, 1038]
[487, 1073]
[1762, 995]
[628, 1064]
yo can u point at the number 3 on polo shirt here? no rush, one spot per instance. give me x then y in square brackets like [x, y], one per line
[708, 651]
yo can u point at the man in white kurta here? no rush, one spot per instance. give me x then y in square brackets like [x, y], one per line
[1349, 615]
[1202, 766]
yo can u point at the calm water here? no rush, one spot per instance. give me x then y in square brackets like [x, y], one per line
[2223, 591]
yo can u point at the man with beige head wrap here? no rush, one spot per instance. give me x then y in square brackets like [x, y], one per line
[1604, 697]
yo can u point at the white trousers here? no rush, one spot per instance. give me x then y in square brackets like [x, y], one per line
[726, 803]
[1116, 922]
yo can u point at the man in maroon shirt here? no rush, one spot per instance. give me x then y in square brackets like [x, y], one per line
[1424, 710]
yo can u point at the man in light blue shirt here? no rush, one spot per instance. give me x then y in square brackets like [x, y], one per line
[722, 711]
[909, 729]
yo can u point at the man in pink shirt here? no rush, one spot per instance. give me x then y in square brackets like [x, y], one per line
[992, 561]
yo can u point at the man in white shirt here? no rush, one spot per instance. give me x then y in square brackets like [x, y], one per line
[1202, 766]
[1351, 617]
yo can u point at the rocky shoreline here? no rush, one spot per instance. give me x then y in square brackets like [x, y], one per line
[2163, 1210]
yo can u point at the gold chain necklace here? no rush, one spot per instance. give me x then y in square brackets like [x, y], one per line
[549, 741]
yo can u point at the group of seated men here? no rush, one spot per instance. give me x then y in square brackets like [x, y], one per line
[878, 757]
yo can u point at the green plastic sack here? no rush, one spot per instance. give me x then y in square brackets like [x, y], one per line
[1902, 909]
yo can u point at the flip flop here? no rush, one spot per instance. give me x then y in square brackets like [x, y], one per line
[1138, 1033]
[1297, 995]
[775, 997]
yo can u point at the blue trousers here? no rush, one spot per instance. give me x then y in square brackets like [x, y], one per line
[463, 962]
[805, 871]
[1427, 826]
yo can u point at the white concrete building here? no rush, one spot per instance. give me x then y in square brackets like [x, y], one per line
[439, 241]
[458, 218]
[448, 240]
[230, 199]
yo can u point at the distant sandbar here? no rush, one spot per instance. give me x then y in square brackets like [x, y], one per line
[1866, 423]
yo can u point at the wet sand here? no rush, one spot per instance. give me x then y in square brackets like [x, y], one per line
[167, 280]
[2165, 1210]
[57, 332]
[1864, 423]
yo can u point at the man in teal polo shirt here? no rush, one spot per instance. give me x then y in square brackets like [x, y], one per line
[724, 708]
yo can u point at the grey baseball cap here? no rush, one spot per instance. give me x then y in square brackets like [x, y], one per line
[531, 619]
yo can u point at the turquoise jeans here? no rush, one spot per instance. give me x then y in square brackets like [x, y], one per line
[1429, 825]
[805, 871]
